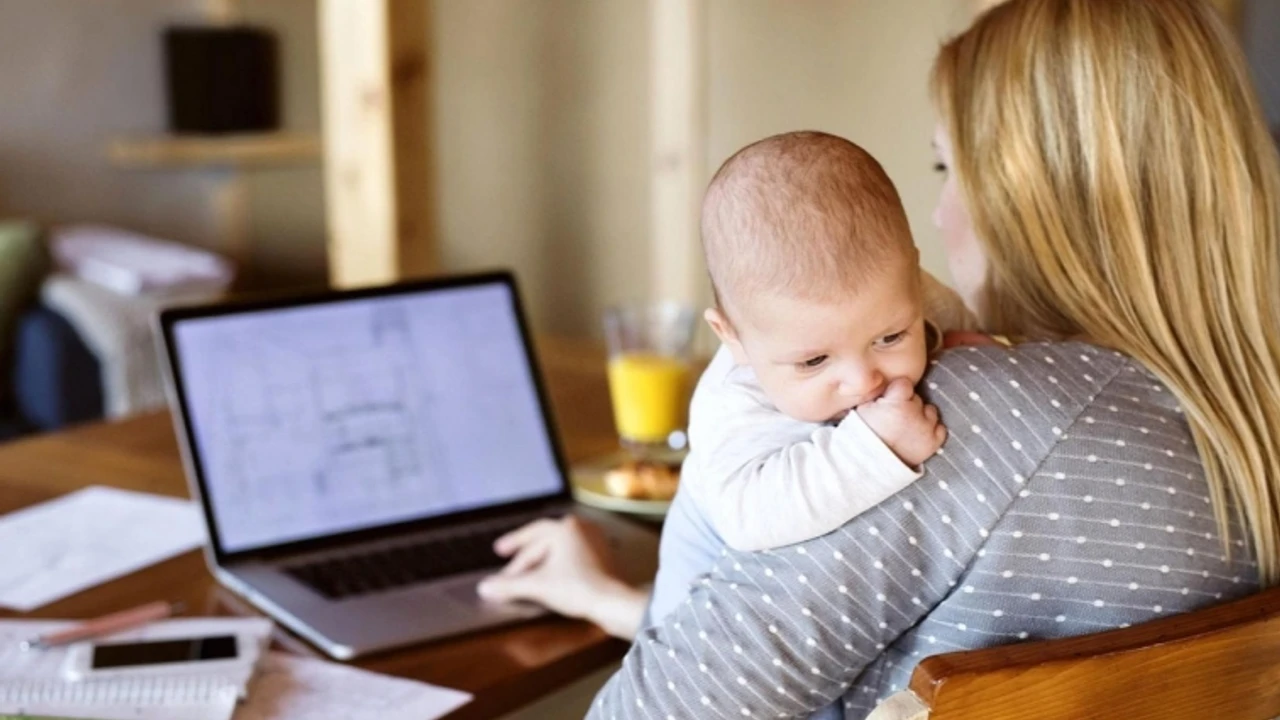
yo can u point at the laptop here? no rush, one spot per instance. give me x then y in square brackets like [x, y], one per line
[356, 454]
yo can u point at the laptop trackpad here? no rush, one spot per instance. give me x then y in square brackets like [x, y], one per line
[464, 592]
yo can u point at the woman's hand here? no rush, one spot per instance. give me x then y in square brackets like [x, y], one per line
[965, 338]
[565, 565]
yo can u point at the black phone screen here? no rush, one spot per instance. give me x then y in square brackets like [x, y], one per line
[160, 652]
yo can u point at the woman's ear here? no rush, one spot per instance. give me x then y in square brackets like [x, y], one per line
[720, 325]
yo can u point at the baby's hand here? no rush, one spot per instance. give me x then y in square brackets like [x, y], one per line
[902, 420]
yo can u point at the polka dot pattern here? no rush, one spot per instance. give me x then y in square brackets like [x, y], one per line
[1066, 534]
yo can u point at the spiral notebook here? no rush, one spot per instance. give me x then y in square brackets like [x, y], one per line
[33, 682]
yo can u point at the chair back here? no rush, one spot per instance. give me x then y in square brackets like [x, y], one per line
[1220, 662]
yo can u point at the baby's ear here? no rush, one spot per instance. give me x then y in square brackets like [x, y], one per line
[721, 326]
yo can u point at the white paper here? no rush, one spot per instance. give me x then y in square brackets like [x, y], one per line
[89, 537]
[33, 682]
[297, 688]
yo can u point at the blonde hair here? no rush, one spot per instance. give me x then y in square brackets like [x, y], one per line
[802, 213]
[1118, 172]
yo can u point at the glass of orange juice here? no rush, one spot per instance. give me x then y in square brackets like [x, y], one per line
[650, 349]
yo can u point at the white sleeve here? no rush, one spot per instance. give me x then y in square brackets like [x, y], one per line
[801, 490]
[765, 480]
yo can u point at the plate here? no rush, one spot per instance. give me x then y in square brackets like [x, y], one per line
[587, 483]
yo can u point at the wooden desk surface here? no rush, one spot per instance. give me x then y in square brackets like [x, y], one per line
[505, 668]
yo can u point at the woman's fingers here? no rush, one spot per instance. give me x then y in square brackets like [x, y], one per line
[529, 556]
[962, 338]
[509, 544]
[507, 588]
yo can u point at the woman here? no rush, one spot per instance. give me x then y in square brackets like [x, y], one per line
[1112, 194]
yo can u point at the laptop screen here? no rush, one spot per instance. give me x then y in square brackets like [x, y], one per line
[362, 412]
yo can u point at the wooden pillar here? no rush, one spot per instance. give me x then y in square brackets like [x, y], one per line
[222, 12]
[677, 57]
[378, 193]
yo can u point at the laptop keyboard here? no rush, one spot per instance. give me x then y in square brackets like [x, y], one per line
[394, 567]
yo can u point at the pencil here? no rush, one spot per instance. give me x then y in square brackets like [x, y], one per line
[105, 625]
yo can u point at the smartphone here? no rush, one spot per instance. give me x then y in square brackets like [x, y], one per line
[160, 656]
[162, 652]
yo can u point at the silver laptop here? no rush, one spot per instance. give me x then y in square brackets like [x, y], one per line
[356, 454]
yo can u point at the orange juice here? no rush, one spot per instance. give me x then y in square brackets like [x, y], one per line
[650, 395]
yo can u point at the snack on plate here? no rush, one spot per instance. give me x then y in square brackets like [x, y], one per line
[643, 480]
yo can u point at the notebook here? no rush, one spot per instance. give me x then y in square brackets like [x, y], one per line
[284, 687]
[33, 682]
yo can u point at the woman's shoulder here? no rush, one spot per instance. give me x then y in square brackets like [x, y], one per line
[1072, 365]
[1038, 384]
[1039, 354]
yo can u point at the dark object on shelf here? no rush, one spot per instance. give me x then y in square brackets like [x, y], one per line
[221, 79]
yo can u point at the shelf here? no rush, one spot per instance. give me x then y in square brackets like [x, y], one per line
[233, 151]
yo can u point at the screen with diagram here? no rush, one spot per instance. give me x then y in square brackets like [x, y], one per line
[320, 419]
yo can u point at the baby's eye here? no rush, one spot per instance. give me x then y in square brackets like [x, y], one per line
[891, 340]
[813, 362]
[940, 167]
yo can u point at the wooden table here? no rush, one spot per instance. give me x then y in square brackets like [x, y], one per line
[504, 668]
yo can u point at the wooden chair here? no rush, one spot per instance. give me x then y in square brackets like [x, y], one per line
[1221, 662]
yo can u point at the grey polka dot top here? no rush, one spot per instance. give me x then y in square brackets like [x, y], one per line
[1068, 499]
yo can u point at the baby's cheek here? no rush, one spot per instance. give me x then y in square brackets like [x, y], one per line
[810, 404]
[919, 363]
[814, 409]
[789, 398]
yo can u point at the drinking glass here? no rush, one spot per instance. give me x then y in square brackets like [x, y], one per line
[650, 347]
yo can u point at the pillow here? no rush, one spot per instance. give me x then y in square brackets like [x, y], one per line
[24, 262]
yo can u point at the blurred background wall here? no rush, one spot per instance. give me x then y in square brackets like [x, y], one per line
[540, 119]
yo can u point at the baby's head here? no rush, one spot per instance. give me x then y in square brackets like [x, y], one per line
[816, 278]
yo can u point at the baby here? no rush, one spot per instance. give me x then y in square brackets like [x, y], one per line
[808, 416]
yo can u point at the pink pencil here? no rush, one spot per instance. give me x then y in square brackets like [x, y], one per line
[105, 625]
